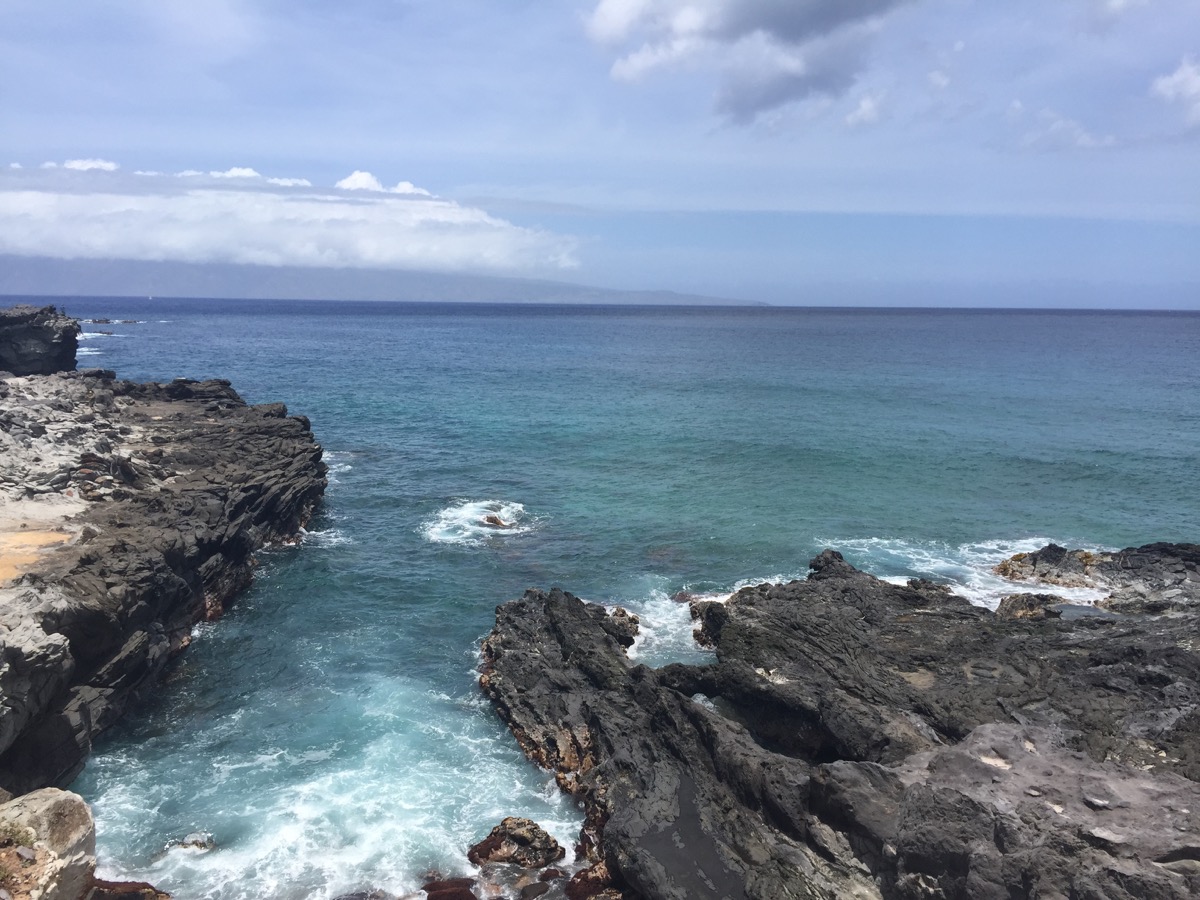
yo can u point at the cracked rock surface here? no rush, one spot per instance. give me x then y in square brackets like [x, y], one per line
[856, 738]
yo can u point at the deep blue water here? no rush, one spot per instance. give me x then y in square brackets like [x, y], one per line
[328, 732]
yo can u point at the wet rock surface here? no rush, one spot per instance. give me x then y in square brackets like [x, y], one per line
[37, 340]
[1154, 578]
[856, 738]
[518, 841]
[172, 488]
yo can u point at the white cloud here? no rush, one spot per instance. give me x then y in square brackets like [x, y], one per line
[290, 182]
[236, 172]
[866, 113]
[1182, 86]
[365, 181]
[88, 165]
[15, 166]
[769, 52]
[1056, 132]
[360, 181]
[138, 218]
[48, 165]
[939, 79]
[407, 187]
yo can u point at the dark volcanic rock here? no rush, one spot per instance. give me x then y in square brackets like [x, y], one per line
[857, 738]
[1152, 579]
[450, 889]
[37, 340]
[185, 483]
[519, 841]
[1029, 606]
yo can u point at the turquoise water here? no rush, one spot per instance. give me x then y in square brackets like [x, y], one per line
[328, 732]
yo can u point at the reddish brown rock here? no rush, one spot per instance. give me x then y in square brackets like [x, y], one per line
[450, 889]
[518, 841]
[590, 883]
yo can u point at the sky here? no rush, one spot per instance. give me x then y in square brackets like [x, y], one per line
[787, 151]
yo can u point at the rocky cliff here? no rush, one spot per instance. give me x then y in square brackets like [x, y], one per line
[37, 340]
[860, 739]
[128, 512]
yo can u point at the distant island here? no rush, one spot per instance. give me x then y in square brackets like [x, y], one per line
[22, 276]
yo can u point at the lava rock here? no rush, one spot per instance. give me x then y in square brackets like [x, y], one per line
[1153, 579]
[450, 889]
[519, 841]
[867, 739]
[1029, 606]
[166, 539]
[37, 340]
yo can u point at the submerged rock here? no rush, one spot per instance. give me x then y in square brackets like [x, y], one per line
[868, 740]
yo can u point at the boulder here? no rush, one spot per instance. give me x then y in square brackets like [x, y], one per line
[450, 889]
[1029, 606]
[518, 841]
[37, 340]
[59, 838]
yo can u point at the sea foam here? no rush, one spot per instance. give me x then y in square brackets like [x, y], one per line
[463, 522]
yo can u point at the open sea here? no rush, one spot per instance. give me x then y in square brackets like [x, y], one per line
[328, 733]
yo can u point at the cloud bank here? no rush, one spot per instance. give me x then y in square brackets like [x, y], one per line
[770, 52]
[239, 216]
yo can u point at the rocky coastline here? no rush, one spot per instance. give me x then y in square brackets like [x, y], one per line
[861, 739]
[128, 513]
[853, 738]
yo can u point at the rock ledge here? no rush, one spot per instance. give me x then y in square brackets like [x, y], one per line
[859, 739]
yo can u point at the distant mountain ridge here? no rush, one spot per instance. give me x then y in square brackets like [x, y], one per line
[45, 277]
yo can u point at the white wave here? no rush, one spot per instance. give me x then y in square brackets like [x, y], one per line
[382, 814]
[337, 462]
[966, 568]
[89, 351]
[463, 522]
[667, 631]
[327, 537]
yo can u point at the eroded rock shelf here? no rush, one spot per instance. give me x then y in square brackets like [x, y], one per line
[861, 739]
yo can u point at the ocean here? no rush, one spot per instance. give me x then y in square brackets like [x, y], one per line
[328, 733]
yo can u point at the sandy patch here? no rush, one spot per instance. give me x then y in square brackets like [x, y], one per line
[29, 527]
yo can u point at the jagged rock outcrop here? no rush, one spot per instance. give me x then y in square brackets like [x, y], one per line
[856, 738]
[518, 841]
[1154, 578]
[174, 487]
[37, 340]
